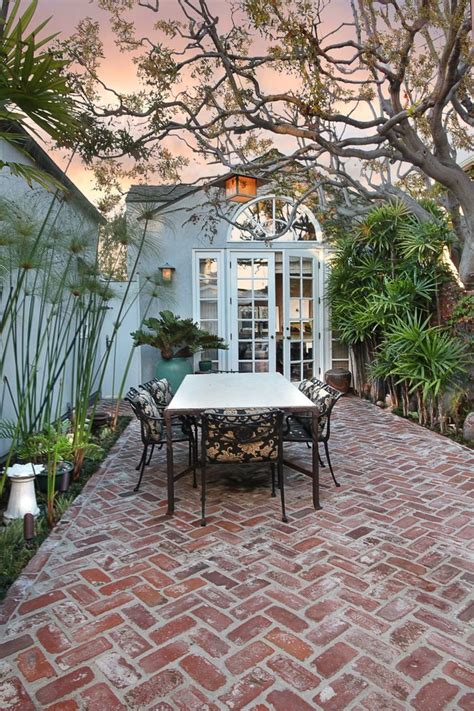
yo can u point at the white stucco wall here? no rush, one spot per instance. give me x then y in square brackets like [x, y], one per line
[68, 212]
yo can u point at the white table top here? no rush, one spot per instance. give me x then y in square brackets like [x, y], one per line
[223, 390]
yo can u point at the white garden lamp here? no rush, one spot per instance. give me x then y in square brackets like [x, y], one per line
[22, 492]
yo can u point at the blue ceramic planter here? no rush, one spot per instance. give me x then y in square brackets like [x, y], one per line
[174, 370]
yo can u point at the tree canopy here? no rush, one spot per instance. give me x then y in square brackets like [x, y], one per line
[371, 100]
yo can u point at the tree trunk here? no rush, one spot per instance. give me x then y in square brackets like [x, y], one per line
[466, 265]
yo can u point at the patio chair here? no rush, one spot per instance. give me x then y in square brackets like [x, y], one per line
[153, 433]
[297, 427]
[242, 436]
[160, 390]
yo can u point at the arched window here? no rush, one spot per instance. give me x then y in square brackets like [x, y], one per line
[273, 218]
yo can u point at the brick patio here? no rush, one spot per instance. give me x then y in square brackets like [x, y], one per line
[364, 605]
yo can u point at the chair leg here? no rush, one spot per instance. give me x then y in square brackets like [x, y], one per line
[151, 454]
[326, 448]
[281, 477]
[138, 467]
[272, 466]
[321, 463]
[142, 469]
[192, 460]
[203, 494]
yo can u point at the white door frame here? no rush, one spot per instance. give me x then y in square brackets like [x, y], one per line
[234, 256]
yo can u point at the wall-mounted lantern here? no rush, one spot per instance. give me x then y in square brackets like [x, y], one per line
[167, 272]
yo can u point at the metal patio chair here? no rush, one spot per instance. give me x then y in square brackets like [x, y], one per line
[152, 430]
[297, 427]
[242, 436]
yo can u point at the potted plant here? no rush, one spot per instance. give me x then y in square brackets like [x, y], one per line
[177, 339]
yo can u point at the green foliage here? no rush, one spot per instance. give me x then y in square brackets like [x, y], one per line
[176, 337]
[426, 357]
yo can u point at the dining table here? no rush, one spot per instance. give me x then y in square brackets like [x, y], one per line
[198, 393]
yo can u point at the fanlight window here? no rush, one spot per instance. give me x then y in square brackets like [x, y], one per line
[274, 219]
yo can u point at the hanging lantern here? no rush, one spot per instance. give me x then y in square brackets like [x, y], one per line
[167, 272]
[240, 188]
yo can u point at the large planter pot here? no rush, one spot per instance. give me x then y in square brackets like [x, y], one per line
[63, 472]
[339, 378]
[174, 370]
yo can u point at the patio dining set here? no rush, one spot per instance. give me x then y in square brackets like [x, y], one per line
[234, 418]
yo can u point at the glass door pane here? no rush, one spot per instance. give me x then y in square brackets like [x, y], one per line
[253, 313]
[300, 326]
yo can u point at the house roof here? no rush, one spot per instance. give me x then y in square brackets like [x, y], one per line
[28, 144]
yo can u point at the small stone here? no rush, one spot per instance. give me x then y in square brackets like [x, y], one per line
[380, 403]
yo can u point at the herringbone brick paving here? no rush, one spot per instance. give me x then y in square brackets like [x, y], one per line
[363, 605]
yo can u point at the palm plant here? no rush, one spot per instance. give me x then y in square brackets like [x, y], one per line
[176, 337]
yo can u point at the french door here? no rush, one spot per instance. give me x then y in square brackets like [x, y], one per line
[301, 328]
[252, 305]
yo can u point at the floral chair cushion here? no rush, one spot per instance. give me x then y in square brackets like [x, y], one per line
[147, 411]
[160, 391]
[242, 435]
[324, 396]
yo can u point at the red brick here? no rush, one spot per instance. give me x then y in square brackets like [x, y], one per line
[219, 579]
[245, 632]
[245, 690]
[355, 598]
[284, 700]
[435, 696]
[100, 696]
[118, 670]
[82, 593]
[109, 603]
[461, 674]
[213, 644]
[375, 647]
[396, 609]
[95, 576]
[333, 659]
[33, 665]
[118, 585]
[387, 680]
[451, 647]
[167, 654]
[191, 699]
[407, 565]
[53, 639]
[328, 630]
[186, 586]
[407, 634]
[212, 617]
[441, 623]
[365, 620]
[340, 693]
[88, 632]
[132, 569]
[163, 561]
[286, 618]
[289, 643]
[172, 629]
[203, 672]
[13, 695]
[467, 614]
[129, 641]
[250, 606]
[81, 654]
[322, 609]
[156, 578]
[293, 673]
[248, 657]
[41, 601]
[158, 686]
[66, 684]
[15, 645]
[150, 596]
[466, 703]
[419, 663]
[140, 616]
[376, 701]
